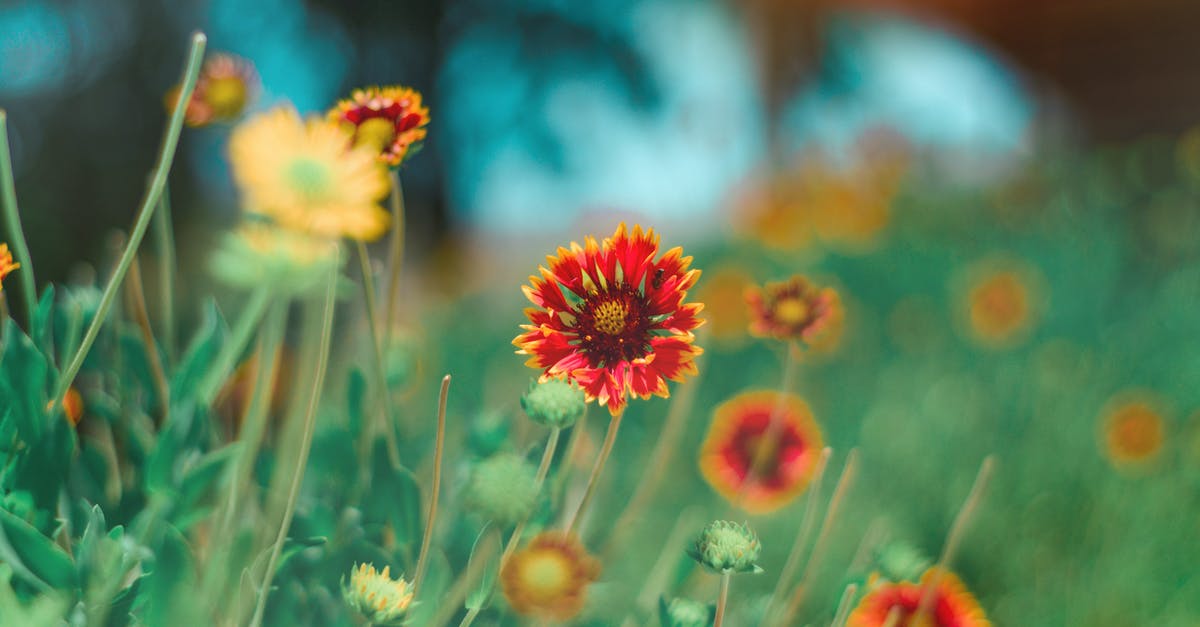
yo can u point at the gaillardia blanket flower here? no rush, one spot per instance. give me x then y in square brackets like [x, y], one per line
[301, 174]
[613, 319]
[950, 604]
[389, 120]
[225, 86]
[795, 309]
[549, 577]
[7, 265]
[757, 474]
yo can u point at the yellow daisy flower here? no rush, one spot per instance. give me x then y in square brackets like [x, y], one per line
[305, 176]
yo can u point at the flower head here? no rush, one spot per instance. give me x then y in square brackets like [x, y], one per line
[7, 265]
[726, 546]
[1133, 431]
[259, 253]
[999, 307]
[722, 294]
[685, 613]
[612, 318]
[549, 577]
[388, 120]
[502, 488]
[379, 598]
[757, 474]
[225, 86]
[554, 403]
[950, 604]
[795, 309]
[302, 175]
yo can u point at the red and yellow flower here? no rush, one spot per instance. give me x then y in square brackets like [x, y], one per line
[950, 604]
[755, 471]
[388, 119]
[796, 309]
[612, 318]
[225, 86]
[7, 265]
[549, 577]
[999, 307]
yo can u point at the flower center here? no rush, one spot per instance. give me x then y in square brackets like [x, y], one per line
[226, 96]
[309, 178]
[610, 316]
[791, 310]
[377, 133]
[546, 574]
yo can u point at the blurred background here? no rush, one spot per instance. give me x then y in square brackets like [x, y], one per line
[556, 110]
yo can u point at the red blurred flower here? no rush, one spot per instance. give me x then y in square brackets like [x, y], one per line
[612, 319]
[761, 476]
[391, 119]
[225, 86]
[951, 605]
[795, 309]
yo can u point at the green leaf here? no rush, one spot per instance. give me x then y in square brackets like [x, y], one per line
[168, 591]
[489, 544]
[42, 326]
[200, 353]
[33, 556]
[24, 383]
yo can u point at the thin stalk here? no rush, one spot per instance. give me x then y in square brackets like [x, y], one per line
[448, 604]
[385, 397]
[310, 420]
[166, 156]
[843, 609]
[722, 599]
[774, 432]
[12, 223]
[137, 301]
[240, 336]
[165, 243]
[609, 438]
[660, 573]
[560, 479]
[395, 255]
[802, 534]
[839, 494]
[439, 445]
[961, 520]
[893, 617]
[538, 479]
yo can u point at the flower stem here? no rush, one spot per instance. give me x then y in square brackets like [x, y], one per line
[395, 255]
[956, 530]
[722, 599]
[802, 534]
[385, 397]
[137, 302]
[843, 609]
[232, 349]
[839, 494]
[12, 223]
[310, 420]
[439, 445]
[774, 431]
[166, 156]
[609, 438]
[538, 479]
[165, 242]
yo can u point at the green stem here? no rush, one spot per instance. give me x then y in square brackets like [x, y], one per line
[961, 520]
[165, 242]
[610, 437]
[843, 609]
[539, 478]
[166, 156]
[722, 599]
[802, 534]
[385, 396]
[12, 223]
[240, 336]
[395, 255]
[439, 445]
[310, 420]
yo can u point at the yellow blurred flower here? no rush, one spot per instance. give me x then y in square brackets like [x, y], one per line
[7, 265]
[305, 176]
[262, 254]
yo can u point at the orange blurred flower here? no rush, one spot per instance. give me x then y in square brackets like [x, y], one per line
[611, 318]
[224, 88]
[950, 605]
[7, 265]
[796, 309]
[1133, 431]
[723, 295]
[549, 577]
[757, 475]
[999, 307]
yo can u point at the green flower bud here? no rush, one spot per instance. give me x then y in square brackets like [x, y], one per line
[501, 488]
[685, 613]
[488, 433]
[726, 546]
[900, 561]
[375, 595]
[554, 403]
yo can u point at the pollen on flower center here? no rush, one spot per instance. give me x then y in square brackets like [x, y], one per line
[610, 317]
[547, 573]
[227, 96]
[309, 177]
[791, 310]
